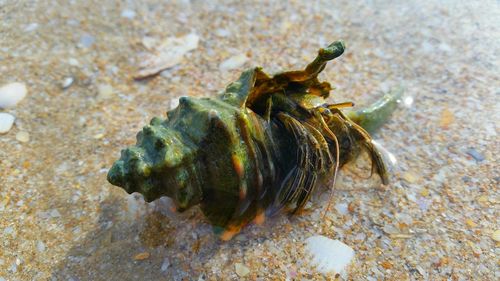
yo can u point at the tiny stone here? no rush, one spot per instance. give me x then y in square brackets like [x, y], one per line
[55, 213]
[447, 118]
[221, 32]
[241, 269]
[129, 14]
[342, 208]
[141, 256]
[409, 177]
[496, 235]
[13, 268]
[67, 82]
[30, 27]
[6, 122]
[165, 265]
[475, 154]
[8, 230]
[23, 136]
[11, 94]
[73, 62]
[98, 136]
[470, 223]
[87, 40]
[329, 255]
[424, 192]
[233, 62]
[40, 246]
[104, 91]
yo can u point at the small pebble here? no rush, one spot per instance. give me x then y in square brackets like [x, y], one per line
[386, 264]
[241, 269]
[233, 62]
[73, 62]
[8, 230]
[6, 122]
[30, 27]
[424, 192]
[475, 154]
[141, 256]
[329, 255]
[221, 32]
[104, 91]
[55, 213]
[496, 235]
[410, 177]
[11, 94]
[87, 40]
[98, 136]
[470, 223]
[23, 136]
[129, 14]
[447, 118]
[342, 208]
[40, 246]
[67, 82]
[165, 265]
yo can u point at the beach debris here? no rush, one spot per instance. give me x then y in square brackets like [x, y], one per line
[166, 55]
[86, 40]
[475, 154]
[233, 62]
[141, 256]
[447, 118]
[496, 235]
[67, 82]
[104, 91]
[329, 255]
[6, 122]
[23, 136]
[241, 269]
[11, 94]
[127, 13]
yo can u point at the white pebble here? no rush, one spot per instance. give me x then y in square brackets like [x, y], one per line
[6, 122]
[104, 91]
[329, 255]
[165, 265]
[342, 208]
[40, 246]
[73, 62]
[67, 82]
[233, 62]
[23, 136]
[241, 269]
[30, 27]
[222, 32]
[11, 94]
[8, 230]
[55, 213]
[129, 14]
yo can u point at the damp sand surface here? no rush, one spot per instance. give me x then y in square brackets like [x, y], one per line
[61, 220]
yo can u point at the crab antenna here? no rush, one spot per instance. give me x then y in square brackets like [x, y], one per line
[341, 105]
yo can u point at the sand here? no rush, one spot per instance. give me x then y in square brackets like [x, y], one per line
[61, 220]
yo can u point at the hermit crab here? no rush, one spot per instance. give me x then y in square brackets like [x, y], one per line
[265, 144]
